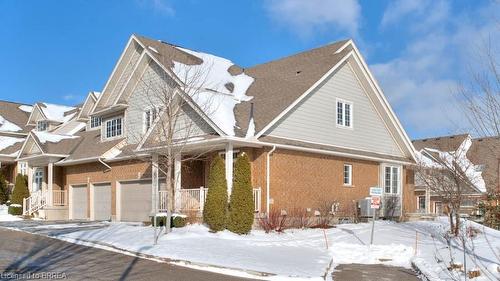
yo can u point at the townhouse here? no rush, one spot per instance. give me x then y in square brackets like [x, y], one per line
[316, 126]
[478, 157]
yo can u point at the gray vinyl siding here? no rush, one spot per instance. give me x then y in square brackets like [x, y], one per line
[121, 75]
[314, 119]
[147, 94]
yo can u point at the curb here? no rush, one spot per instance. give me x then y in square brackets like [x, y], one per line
[168, 260]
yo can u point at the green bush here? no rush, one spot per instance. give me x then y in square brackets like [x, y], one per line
[4, 190]
[215, 211]
[177, 221]
[241, 206]
[15, 210]
[20, 190]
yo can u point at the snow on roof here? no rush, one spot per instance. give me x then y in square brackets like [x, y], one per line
[55, 112]
[7, 126]
[44, 137]
[26, 108]
[458, 157]
[208, 86]
[8, 141]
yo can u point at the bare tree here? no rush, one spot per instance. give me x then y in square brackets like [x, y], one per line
[449, 175]
[175, 116]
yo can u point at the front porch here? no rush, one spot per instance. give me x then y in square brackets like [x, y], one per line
[48, 199]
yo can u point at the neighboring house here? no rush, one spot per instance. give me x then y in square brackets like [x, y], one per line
[13, 132]
[316, 126]
[478, 158]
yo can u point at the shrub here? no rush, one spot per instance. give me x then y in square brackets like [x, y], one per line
[277, 221]
[15, 209]
[299, 218]
[20, 190]
[179, 221]
[215, 211]
[241, 206]
[4, 191]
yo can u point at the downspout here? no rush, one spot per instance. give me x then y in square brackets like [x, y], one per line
[107, 166]
[268, 176]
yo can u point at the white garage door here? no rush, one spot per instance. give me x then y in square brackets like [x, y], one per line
[135, 201]
[79, 199]
[102, 201]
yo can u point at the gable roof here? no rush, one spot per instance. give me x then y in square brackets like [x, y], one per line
[443, 143]
[13, 117]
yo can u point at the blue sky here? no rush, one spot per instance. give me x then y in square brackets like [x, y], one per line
[57, 51]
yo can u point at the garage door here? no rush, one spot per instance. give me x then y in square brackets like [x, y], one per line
[79, 199]
[135, 200]
[102, 201]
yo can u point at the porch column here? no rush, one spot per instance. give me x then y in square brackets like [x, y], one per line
[50, 182]
[177, 182]
[154, 183]
[427, 200]
[229, 167]
[29, 170]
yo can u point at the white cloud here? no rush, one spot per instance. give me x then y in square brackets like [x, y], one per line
[305, 17]
[160, 6]
[421, 82]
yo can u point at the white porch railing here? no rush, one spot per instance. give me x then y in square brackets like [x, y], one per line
[40, 199]
[59, 198]
[193, 199]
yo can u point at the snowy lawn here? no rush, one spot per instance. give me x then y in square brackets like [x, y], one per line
[299, 253]
[5, 216]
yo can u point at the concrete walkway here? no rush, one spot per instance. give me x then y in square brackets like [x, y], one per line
[372, 272]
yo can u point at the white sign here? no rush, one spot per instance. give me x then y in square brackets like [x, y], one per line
[375, 202]
[375, 191]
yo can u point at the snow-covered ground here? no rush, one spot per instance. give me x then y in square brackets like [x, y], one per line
[5, 216]
[299, 253]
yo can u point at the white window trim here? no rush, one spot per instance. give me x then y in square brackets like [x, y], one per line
[400, 178]
[159, 110]
[419, 199]
[350, 174]
[105, 128]
[351, 114]
[42, 122]
[96, 127]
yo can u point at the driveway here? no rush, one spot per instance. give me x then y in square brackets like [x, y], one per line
[24, 253]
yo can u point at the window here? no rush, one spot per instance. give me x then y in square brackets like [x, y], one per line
[392, 179]
[347, 174]
[421, 202]
[23, 168]
[95, 122]
[38, 179]
[344, 114]
[113, 128]
[41, 126]
[150, 116]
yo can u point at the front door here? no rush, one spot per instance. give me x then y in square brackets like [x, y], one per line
[37, 180]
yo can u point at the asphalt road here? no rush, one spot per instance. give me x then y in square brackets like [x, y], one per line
[23, 253]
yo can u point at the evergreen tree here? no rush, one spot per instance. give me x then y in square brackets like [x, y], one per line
[215, 211]
[4, 192]
[20, 190]
[241, 206]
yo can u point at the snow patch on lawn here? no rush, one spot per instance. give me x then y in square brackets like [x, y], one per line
[5, 216]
